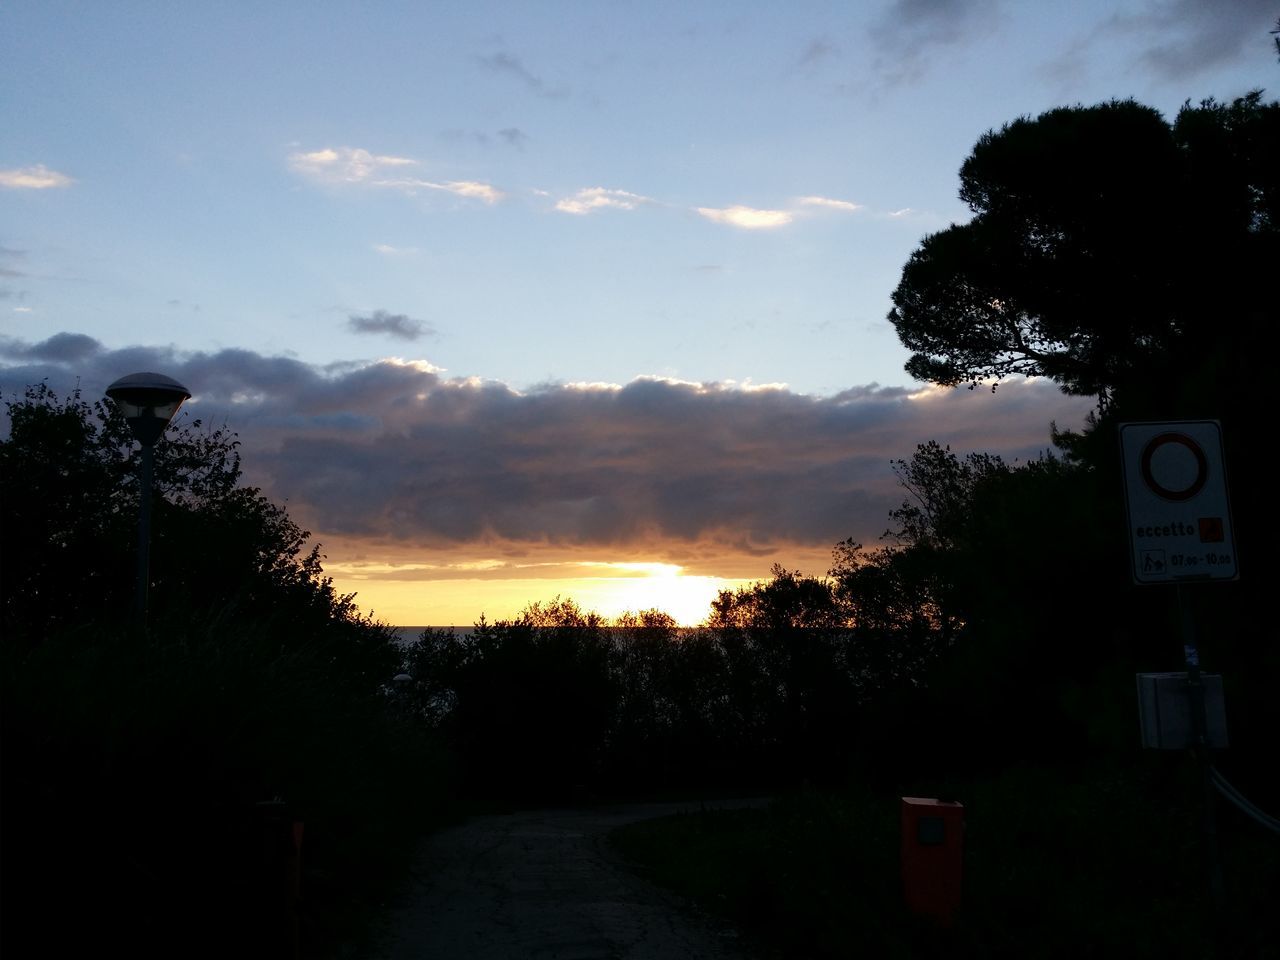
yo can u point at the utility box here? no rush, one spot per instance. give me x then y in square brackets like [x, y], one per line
[1164, 710]
[932, 857]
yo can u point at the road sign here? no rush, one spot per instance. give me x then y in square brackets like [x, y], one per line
[1176, 492]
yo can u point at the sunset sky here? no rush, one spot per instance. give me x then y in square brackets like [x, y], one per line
[511, 300]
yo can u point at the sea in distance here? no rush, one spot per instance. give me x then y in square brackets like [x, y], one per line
[407, 635]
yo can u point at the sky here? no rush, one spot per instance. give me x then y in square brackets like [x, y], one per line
[509, 301]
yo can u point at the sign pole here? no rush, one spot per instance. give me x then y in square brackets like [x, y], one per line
[1200, 755]
[1180, 529]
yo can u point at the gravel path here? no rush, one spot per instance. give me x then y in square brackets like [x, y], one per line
[545, 885]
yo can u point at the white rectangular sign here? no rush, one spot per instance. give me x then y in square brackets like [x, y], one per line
[1176, 491]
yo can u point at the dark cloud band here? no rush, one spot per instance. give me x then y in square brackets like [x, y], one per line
[393, 452]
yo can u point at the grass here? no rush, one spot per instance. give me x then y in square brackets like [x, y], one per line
[1057, 864]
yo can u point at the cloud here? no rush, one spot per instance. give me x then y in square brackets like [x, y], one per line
[344, 164]
[599, 198]
[393, 324]
[472, 189]
[747, 218]
[909, 34]
[353, 165]
[503, 62]
[591, 199]
[390, 250]
[38, 177]
[511, 65]
[829, 204]
[11, 255]
[393, 456]
[1175, 39]
[60, 348]
[513, 136]
[1183, 38]
[819, 50]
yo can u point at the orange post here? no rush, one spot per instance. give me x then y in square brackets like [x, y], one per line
[932, 857]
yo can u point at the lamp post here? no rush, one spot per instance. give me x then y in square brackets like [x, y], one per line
[148, 402]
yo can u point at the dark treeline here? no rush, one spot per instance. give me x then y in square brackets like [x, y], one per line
[995, 627]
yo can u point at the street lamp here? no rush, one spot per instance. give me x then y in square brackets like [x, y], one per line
[148, 402]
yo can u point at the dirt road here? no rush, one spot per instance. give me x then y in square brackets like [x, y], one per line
[545, 885]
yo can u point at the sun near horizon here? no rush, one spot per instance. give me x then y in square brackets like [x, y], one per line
[613, 589]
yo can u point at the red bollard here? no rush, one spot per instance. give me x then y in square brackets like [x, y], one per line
[932, 857]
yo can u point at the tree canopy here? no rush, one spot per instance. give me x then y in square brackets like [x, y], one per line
[68, 509]
[1107, 247]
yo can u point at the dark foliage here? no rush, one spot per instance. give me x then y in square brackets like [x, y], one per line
[68, 512]
[558, 701]
[1108, 248]
[150, 778]
[1131, 259]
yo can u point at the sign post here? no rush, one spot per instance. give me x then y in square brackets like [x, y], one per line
[1180, 530]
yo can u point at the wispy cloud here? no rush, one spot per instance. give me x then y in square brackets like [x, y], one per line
[830, 204]
[1176, 39]
[910, 33]
[345, 164]
[510, 65]
[591, 199]
[390, 250]
[819, 49]
[38, 177]
[357, 166]
[397, 325]
[1195, 36]
[9, 255]
[600, 198]
[513, 136]
[503, 62]
[747, 218]
[471, 189]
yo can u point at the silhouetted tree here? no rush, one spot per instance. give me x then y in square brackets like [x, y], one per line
[68, 511]
[785, 640]
[1131, 259]
[1108, 248]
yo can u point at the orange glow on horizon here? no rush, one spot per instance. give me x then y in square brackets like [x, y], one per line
[461, 601]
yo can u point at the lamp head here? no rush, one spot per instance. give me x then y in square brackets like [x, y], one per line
[148, 402]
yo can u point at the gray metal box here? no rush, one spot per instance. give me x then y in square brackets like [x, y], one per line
[1164, 710]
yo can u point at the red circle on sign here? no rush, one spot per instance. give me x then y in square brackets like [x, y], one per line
[1202, 467]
